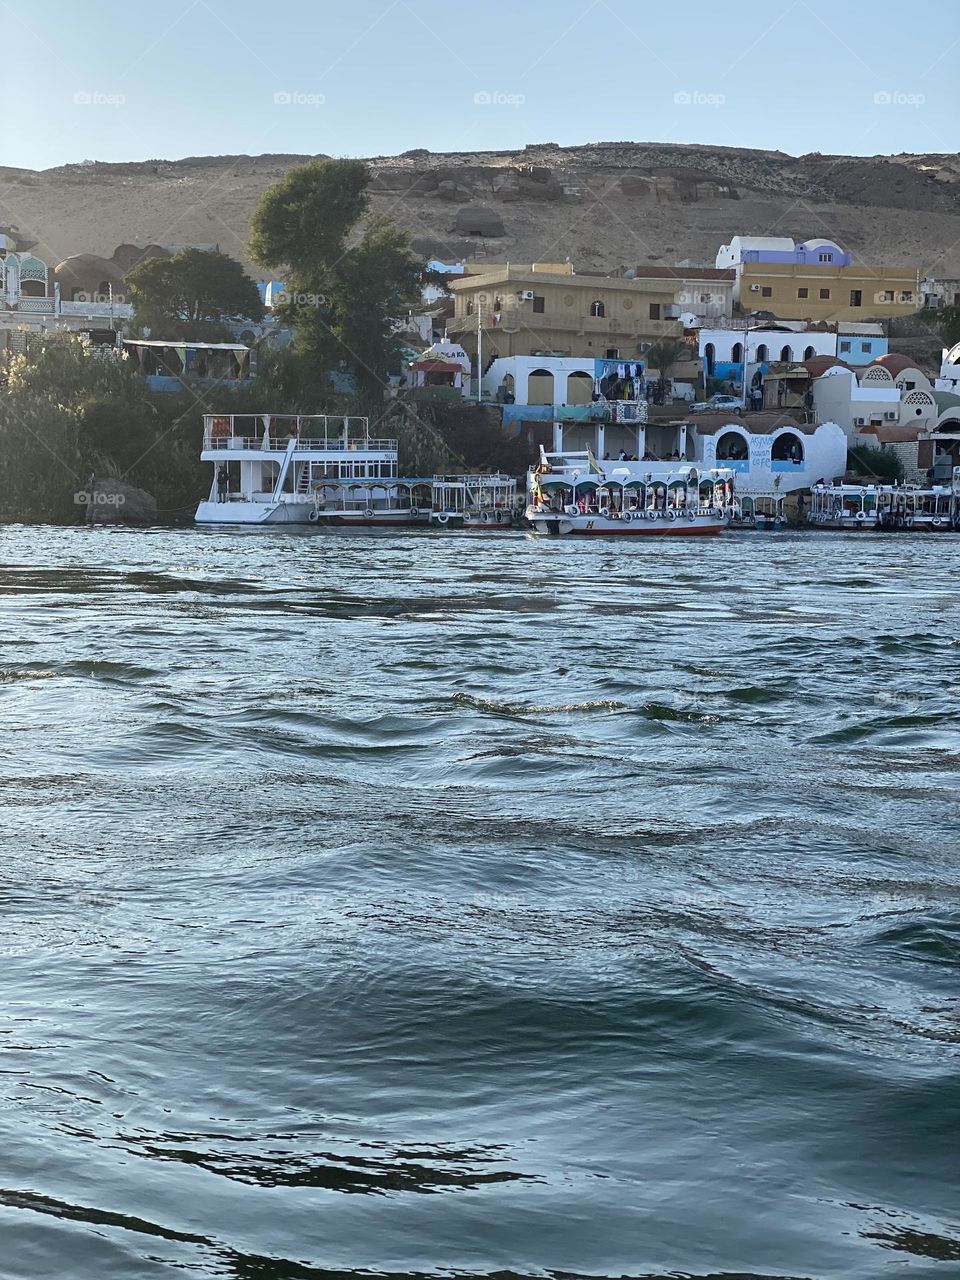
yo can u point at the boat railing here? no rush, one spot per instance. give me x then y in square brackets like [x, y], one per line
[317, 444]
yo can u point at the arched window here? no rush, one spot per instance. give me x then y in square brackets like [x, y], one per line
[103, 290]
[540, 387]
[809, 353]
[597, 309]
[579, 388]
[710, 355]
[732, 447]
[736, 355]
[763, 355]
[788, 447]
[786, 353]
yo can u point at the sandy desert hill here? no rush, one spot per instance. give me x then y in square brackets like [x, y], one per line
[604, 206]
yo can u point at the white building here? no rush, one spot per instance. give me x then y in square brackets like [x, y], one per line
[949, 379]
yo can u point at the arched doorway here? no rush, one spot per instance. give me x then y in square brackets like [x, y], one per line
[579, 388]
[787, 447]
[736, 355]
[710, 356]
[540, 387]
[809, 353]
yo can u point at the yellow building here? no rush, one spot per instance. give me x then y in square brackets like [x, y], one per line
[522, 311]
[816, 280]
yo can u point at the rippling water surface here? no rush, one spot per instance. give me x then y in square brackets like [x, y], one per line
[454, 905]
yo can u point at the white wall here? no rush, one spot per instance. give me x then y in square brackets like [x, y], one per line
[824, 458]
[724, 340]
[522, 366]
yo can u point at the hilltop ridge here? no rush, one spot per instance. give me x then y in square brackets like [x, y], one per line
[603, 205]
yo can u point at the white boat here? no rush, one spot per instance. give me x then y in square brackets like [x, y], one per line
[573, 493]
[886, 507]
[293, 469]
[474, 502]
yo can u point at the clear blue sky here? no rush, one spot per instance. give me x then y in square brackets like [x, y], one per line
[109, 80]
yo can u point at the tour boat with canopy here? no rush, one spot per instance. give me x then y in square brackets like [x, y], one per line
[886, 507]
[573, 493]
[474, 502]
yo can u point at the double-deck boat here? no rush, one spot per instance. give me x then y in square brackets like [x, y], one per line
[886, 507]
[573, 493]
[326, 470]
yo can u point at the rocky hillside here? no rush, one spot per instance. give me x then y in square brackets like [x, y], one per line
[604, 206]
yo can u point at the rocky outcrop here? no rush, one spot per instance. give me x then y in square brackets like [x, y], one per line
[109, 501]
[479, 220]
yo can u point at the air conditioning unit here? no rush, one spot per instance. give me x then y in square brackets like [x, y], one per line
[754, 288]
[891, 417]
[525, 295]
[859, 422]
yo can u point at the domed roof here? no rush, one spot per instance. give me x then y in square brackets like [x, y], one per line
[895, 363]
[816, 366]
[86, 270]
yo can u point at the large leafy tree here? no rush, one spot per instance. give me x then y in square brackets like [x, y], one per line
[342, 298]
[192, 294]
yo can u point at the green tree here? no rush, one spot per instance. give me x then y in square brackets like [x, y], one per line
[190, 295]
[342, 300]
[663, 354]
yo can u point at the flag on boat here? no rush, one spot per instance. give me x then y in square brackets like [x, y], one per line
[595, 466]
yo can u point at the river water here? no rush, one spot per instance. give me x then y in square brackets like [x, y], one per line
[419, 905]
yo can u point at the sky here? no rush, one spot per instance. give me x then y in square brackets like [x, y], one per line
[113, 81]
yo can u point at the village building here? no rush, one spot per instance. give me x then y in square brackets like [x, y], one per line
[175, 366]
[815, 280]
[741, 356]
[34, 299]
[523, 311]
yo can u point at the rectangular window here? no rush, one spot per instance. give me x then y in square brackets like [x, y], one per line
[538, 304]
[866, 347]
[887, 295]
[612, 353]
[826, 257]
[654, 310]
[766, 292]
[824, 293]
[907, 295]
[803, 293]
[844, 346]
[856, 297]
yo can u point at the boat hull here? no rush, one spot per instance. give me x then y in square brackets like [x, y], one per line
[557, 524]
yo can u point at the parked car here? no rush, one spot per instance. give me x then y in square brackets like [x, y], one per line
[732, 403]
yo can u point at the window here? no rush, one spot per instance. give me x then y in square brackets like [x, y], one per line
[824, 293]
[706, 297]
[597, 309]
[654, 310]
[866, 347]
[844, 346]
[803, 293]
[612, 353]
[907, 295]
[538, 304]
[887, 295]
[825, 257]
[469, 306]
[766, 292]
[856, 297]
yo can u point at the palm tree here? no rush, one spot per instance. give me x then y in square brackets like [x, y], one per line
[663, 355]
